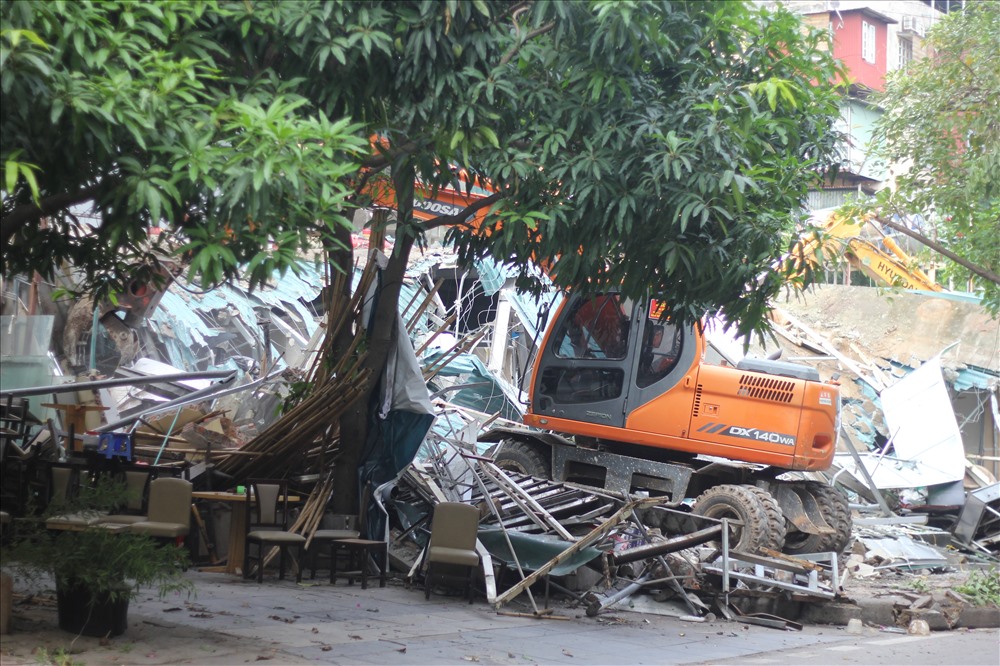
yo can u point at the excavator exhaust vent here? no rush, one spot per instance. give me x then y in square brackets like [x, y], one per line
[765, 388]
[697, 399]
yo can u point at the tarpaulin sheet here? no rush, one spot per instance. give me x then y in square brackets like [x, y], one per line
[401, 415]
[534, 550]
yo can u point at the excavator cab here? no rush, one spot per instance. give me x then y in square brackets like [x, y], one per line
[606, 354]
[617, 370]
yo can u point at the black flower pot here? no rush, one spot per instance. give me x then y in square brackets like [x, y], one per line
[81, 611]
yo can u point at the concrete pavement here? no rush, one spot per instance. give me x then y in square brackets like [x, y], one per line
[232, 621]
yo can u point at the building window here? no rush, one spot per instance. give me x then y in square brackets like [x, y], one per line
[905, 51]
[868, 41]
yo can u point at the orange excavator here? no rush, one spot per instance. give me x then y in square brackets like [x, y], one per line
[622, 398]
[625, 400]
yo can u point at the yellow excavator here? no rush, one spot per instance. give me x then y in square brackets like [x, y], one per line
[882, 260]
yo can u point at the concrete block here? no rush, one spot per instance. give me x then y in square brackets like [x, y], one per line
[979, 617]
[865, 571]
[835, 613]
[878, 612]
[772, 605]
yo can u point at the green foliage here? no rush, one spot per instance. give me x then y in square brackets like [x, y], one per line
[663, 148]
[649, 145]
[297, 392]
[60, 657]
[982, 587]
[920, 585]
[141, 109]
[103, 561]
[942, 122]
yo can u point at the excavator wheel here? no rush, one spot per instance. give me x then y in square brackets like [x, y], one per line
[836, 512]
[524, 458]
[761, 524]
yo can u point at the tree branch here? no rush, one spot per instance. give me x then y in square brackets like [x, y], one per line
[541, 30]
[464, 214]
[381, 159]
[366, 175]
[984, 273]
[25, 213]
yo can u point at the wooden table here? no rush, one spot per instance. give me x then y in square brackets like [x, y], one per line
[80, 527]
[237, 525]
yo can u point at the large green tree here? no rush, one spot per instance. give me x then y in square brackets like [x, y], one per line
[136, 115]
[655, 146]
[941, 128]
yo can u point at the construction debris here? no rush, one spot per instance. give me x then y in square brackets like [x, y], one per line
[904, 460]
[978, 525]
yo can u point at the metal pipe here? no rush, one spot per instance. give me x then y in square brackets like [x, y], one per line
[620, 595]
[666, 567]
[93, 339]
[119, 381]
[725, 561]
[669, 546]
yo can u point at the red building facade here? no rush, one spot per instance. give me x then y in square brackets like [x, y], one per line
[860, 40]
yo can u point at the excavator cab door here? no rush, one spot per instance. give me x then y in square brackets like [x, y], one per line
[585, 366]
[665, 353]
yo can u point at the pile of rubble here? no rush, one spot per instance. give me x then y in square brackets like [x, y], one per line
[917, 508]
[597, 548]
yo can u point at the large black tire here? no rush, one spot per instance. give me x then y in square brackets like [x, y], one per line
[836, 512]
[523, 457]
[834, 509]
[761, 524]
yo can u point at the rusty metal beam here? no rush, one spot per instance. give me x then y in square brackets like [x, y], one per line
[669, 546]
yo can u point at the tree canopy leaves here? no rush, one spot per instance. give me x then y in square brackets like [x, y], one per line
[648, 145]
[138, 108]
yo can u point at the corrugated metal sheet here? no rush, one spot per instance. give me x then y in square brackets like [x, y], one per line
[833, 197]
[187, 319]
[971, 377]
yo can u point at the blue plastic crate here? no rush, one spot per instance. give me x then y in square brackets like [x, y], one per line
[115, 444]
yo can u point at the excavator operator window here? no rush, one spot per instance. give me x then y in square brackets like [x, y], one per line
[661, 347]
[596, 328]
[567, 386]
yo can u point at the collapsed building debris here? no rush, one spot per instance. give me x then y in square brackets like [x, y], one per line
[595, 543]
[601, 548]
[920, 435]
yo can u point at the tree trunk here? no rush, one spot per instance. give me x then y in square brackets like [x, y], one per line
[353, 427]
[354, 421]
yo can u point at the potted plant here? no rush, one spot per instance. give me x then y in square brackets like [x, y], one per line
[97, 569]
